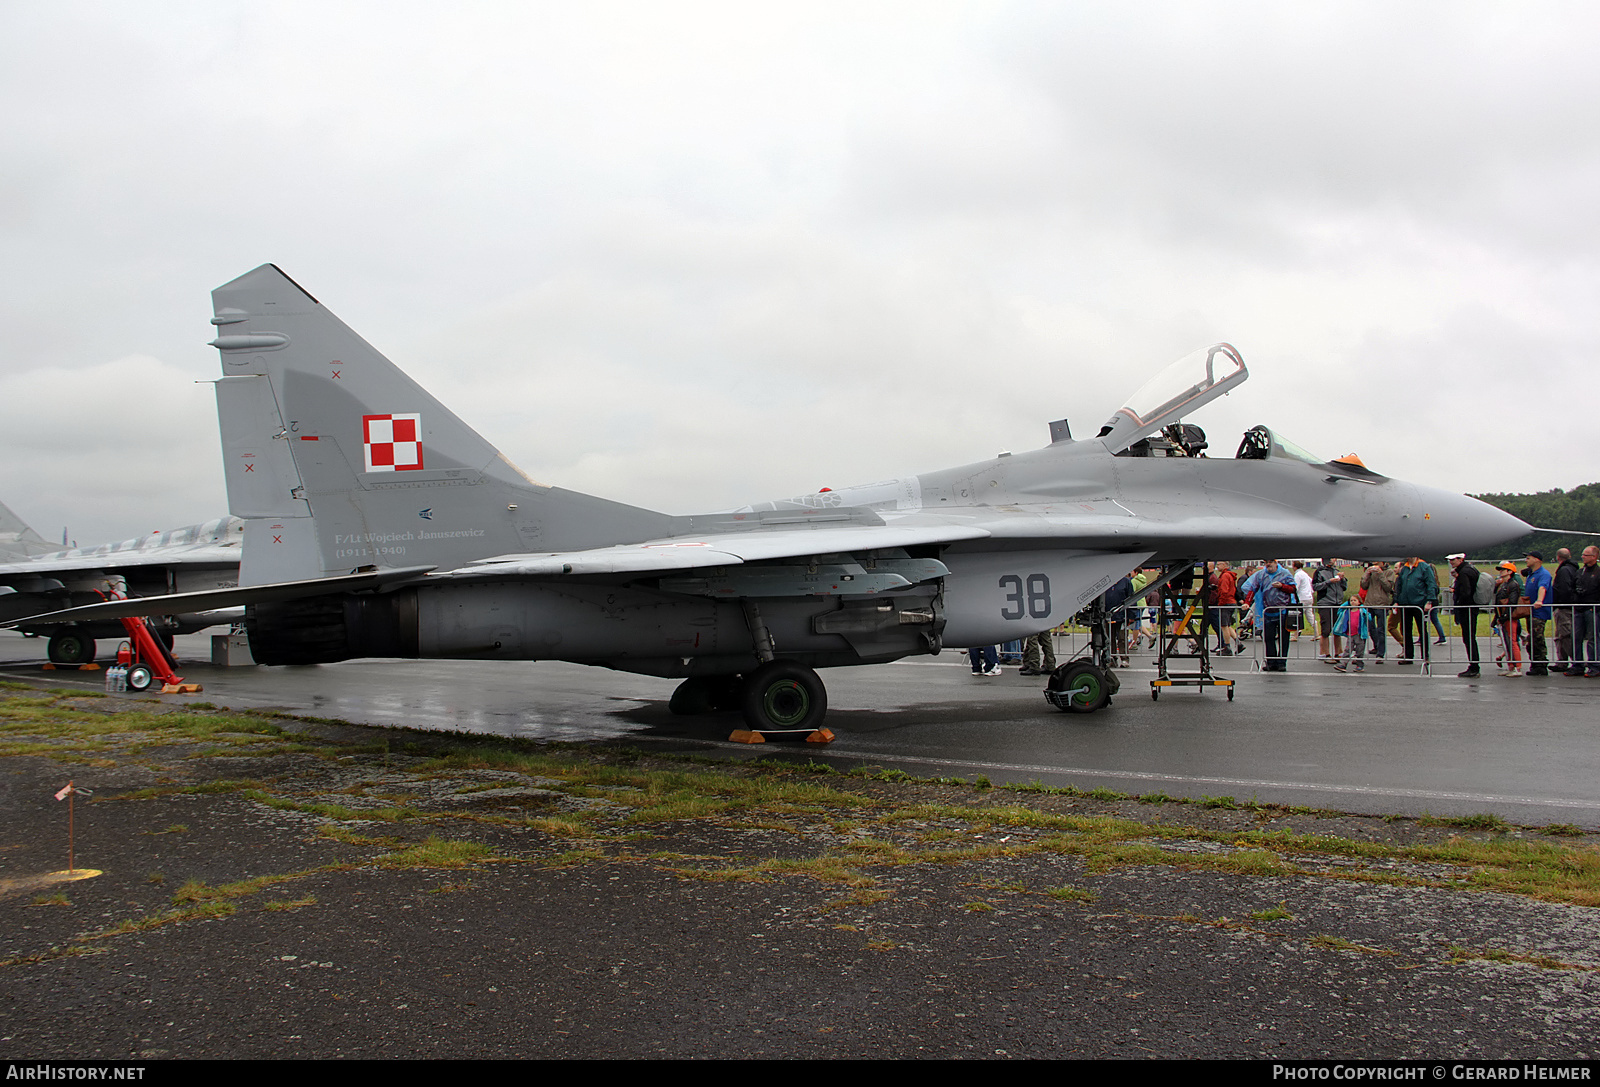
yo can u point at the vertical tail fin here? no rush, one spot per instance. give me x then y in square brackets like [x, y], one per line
[338, 459]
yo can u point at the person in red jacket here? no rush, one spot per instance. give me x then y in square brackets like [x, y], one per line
[1221, 599]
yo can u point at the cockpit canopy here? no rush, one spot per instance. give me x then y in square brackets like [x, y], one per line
[1263, 443]
[1150, 425]
[1191, 382]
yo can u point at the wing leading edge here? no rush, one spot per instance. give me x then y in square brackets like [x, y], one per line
[721, 549]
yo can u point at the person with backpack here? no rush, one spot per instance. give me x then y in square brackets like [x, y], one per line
[1328, 585]
[1469, 591]
[1377, 585]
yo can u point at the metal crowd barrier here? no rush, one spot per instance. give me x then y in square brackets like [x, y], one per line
[1431, 656]
[1305, 639]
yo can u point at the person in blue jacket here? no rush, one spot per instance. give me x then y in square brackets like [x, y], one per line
[1274, 587]
[1539, 590]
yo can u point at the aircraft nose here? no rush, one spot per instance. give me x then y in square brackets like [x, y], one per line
[1455, 522]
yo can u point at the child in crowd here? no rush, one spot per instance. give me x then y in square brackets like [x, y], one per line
[1351, 624]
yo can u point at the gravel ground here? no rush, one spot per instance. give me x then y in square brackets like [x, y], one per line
[263, 895]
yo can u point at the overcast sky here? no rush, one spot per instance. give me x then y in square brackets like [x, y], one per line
[690, 256]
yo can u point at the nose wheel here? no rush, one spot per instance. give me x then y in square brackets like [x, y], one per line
[1081, 687]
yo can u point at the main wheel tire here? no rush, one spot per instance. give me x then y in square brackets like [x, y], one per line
[70, 646]
[705, 694]
[1087, 685]
[140, 677]
[692, 697]
[782, 696]
[726, 692]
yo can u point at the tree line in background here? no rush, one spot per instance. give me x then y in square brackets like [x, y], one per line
[1577, 509]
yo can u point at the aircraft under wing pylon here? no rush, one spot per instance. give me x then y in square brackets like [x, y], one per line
[343, 462]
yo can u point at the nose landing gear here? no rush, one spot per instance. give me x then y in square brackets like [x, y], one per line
[1081, 687]
[1087, 684]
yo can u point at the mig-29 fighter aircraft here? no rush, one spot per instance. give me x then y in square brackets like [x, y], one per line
[36, 576]
[379, 524]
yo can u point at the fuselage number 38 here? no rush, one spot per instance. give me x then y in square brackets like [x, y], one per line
[1029, 598]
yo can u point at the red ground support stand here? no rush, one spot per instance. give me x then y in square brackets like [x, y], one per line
[151, 660]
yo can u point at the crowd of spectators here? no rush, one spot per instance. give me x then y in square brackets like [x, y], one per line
[1355, 618]
[1401, 603]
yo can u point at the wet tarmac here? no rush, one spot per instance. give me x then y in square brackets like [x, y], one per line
[1388, 741]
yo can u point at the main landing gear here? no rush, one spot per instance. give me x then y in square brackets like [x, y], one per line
[780, 698]
[70, 645]
[706, 694]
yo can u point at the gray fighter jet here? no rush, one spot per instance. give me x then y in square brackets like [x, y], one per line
[36, 576]
[378, 524]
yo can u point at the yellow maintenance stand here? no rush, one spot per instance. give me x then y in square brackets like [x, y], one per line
[1181, 636]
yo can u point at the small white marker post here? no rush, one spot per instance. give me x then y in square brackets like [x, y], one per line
[67, 794]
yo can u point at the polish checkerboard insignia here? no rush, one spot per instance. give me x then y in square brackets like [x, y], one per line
[392, 443]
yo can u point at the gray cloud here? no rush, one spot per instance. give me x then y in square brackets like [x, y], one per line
[689, 256]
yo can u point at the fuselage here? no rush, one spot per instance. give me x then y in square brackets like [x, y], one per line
[1046, 532]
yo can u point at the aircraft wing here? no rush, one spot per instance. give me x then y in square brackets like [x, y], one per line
[208, 554]
[719, 549]
[215, 599]
[653, 556]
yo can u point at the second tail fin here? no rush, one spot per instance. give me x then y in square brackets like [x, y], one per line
[17, 540]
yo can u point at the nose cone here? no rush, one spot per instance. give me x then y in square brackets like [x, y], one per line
[1454, 522]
